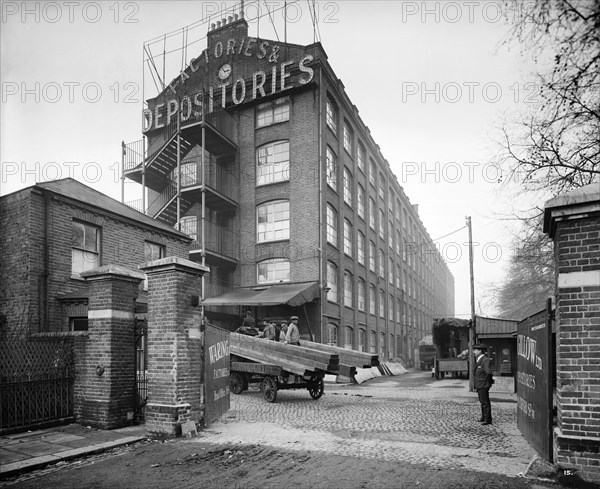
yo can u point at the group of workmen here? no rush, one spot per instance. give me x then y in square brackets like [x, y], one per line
[273, 331]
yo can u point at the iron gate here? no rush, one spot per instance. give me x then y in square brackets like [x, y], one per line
[36, 382]
[141, 368]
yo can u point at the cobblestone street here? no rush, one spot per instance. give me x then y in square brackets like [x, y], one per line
[409, 418]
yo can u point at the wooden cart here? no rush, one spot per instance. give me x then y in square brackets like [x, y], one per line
[272, 378]
[454, 366]
[450, 338]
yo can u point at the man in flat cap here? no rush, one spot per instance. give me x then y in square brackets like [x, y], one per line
[293, 334]
[482, 381]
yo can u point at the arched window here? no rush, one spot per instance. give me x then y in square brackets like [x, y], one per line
[273, 221]
[348, 289]
[372, 303]
[273, 270]
[332, 282]
[347, 237]
[373, 342]
[348, 337]
[361, 339]
[361, 294]
[273, 162]
[381, 303]
[347, 186]
[331, 334]
[332, 225]
[331, 168]
[360, 248]
[360, 197]
[382, 345]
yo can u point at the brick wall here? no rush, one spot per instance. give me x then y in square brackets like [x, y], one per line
[577, 253]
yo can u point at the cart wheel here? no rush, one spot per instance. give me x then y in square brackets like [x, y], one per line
[269, 388]
[315, 387]
[236, 382]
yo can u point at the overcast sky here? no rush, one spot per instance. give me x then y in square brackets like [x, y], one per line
[431, 80]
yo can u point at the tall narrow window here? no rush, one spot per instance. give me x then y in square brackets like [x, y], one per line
[331, 114]
[85, 251]
[332, 334]
[347, 237]
[372, 223]
[273, 112]
[381, 303]
[391, 271]
[360, 248]
[371, 256]
[273, 270]
[347, 186]
[360, 197]
[273, 163]
[348, 289]
[391, 234]
[372, 342]
[372, 171]
[381, 263]
[398, 276]
[332, 225]
[398, 311]
[331, 169]
[348, 337]
[361, 294]
[361, 157]
[332, 282]
[273, 221]
[361, 339]
[381, 224]
[372, 300]
[348, 138]
[381, 186]
[391, 307]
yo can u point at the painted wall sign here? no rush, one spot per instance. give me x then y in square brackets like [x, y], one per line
[261, 84]
[216, 373]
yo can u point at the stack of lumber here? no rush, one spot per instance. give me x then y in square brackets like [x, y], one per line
[350, 360]
[297, 360]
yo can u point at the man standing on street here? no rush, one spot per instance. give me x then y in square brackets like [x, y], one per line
[293, 334]
[482, 381]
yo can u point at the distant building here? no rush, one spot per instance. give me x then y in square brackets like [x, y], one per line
[53, 231]
[292, 205]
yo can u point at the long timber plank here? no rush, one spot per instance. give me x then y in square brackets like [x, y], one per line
[347, 357]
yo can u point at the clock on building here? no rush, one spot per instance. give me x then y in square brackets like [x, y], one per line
[224, 71]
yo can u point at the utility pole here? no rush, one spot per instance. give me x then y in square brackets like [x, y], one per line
[472, 328]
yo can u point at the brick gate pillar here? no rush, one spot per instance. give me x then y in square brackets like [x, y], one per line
[573, 222]
[174, 347]
[104, 392]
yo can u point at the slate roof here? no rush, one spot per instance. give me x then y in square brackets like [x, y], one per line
[72, 189]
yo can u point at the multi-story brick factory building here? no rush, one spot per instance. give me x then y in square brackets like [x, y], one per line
[291, 205]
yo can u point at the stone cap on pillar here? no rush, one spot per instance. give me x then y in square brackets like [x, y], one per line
[580, 203]
[113, 271]
[172, 263]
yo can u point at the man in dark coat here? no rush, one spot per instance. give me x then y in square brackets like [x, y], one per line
[482, 381]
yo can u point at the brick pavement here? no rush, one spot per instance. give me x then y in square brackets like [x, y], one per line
[410, 418]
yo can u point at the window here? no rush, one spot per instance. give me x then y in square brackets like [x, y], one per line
[348, 337]
[273, 221]
[391, 234]
[381, 224]
[85, 252]
[381, 184]
[381, 303]
[404, 249]
[273, 163]
[361, 157]
[381, 263]
[398, 242]
[189, 226]
[372, 256]
[372, 303]
[332, 282]
[391, 271]
[360, 248]
[372, 214]
[391, 307]
[398, 276]
[153, 251]
[361, 294]
[373, 342]
[332, 333]
[273, 112]
[78, 324]
[360, 196]
[331, 114]
[273, 270]
[332, 224]
[372, 171]
[331, 169]
[347, 186]
[348, 138]
[347, 237]
[382, 345]
[398, 311]
[348, 289]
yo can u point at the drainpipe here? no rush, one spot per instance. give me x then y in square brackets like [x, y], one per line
[321, 254]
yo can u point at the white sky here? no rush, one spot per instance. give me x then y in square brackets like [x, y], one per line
[430, 79]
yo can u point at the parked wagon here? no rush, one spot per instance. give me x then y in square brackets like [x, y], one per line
[272, 379]
[450, 339]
